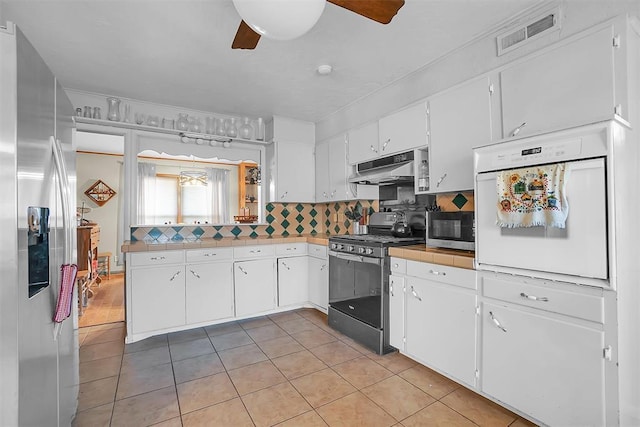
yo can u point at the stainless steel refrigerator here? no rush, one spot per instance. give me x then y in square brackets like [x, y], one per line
[38, 368]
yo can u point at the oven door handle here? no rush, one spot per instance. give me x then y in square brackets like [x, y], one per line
[355, 258]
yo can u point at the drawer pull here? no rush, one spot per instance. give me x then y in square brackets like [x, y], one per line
[533, 297]
[242, 270]
[285, 265]
[438, 273]
[210, 254]
[257, 251]
[415, 294]
[177, 273]
[157, 258]
[195, 274]
[497, 322]
[396, 265]
[292, 249]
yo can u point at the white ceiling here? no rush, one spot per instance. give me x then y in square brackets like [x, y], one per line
[178, 52]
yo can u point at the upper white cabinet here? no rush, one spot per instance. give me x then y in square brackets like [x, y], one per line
[332, 170]
[459, 118]
[403, 130]
[290, 162]
[363, 143]
[400, 131]
[567, 86]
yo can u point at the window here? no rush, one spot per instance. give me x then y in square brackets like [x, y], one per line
[181, 205]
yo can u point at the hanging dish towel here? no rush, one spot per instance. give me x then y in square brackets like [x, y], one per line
[68, 274]
[533, 196]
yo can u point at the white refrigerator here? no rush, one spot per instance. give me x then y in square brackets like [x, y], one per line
[38, 368]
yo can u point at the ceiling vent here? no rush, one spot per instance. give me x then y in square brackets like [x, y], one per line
[520, 35]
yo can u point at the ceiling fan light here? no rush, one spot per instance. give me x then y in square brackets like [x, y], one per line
[280, 19]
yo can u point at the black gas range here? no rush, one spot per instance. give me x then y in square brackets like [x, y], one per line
[359, 279]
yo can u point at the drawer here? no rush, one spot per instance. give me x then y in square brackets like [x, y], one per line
[290, 249]
[156, 258]
[398, 265]
[567, 299]
[442, 273]
[261, 251]
[319, 251]
[208, 255]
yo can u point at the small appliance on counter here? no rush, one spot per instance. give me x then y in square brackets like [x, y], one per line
[451, 230]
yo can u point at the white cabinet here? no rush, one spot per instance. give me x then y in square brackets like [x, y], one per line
[567, 86]
[403, 130]
[332, 171]
[255, 286]
[363, 143]
[158, 295]
[292, 286]
[396, 312]
[290, 171]
[318, 276]
[209, 291]
[543, 349]
[459, 119]
[441, 327]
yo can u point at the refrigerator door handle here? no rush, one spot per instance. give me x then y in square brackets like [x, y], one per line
[61, 170]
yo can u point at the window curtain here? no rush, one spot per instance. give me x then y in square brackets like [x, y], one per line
[218, 195]
[146, 193]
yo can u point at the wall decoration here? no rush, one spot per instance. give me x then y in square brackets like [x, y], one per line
[100, 193]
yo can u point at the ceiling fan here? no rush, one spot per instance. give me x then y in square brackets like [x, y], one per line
[249, 34]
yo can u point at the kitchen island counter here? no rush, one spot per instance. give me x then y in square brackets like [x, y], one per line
[147, 246]
[423, 253]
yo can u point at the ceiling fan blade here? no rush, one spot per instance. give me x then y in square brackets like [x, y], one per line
[381, 11]
[245, 38]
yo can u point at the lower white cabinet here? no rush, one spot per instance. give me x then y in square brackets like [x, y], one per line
[255, 286]
[543, 349]
[441, 327]
[319, 280]
[209, 291]
[292, 281]
[396, 312]
[158, 295]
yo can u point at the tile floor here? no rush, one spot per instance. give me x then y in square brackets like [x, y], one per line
[288, 369]
[107, 304]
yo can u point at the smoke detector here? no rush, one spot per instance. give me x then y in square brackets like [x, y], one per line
[324, 70]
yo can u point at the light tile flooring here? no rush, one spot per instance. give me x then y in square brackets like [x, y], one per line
[107, 304]
[288, 369]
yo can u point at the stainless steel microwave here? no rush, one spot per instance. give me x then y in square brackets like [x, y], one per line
[453, 230]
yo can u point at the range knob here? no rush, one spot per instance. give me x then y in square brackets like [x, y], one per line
[360, 250]
[369, 251]
[334, 246]
[350, 248]
[340, 246]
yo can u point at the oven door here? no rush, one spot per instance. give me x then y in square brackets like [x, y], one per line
[355, 286]
[578, 250]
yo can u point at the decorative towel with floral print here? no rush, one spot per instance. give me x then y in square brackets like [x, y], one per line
[533, 196]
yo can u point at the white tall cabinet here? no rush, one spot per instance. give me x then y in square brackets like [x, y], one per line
[319, 276]
[333, 170]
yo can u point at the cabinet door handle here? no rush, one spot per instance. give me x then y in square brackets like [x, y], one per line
[438, 273]
[415, 294]
[285, 265]
[325, 195]
[284, 194]
[497, 322]
[177, 273]
[323, 267]
[391, 288]
[386, 143]
[440, 180]
[533, 297]
[242, 270]
[157, 258]
[333, 193]
[518, 129]
[373, 149]
[195, 274]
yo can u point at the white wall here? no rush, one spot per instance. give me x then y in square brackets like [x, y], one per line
[106, 167]
[477, 57]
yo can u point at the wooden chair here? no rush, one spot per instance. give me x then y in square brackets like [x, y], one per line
[104, 264]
